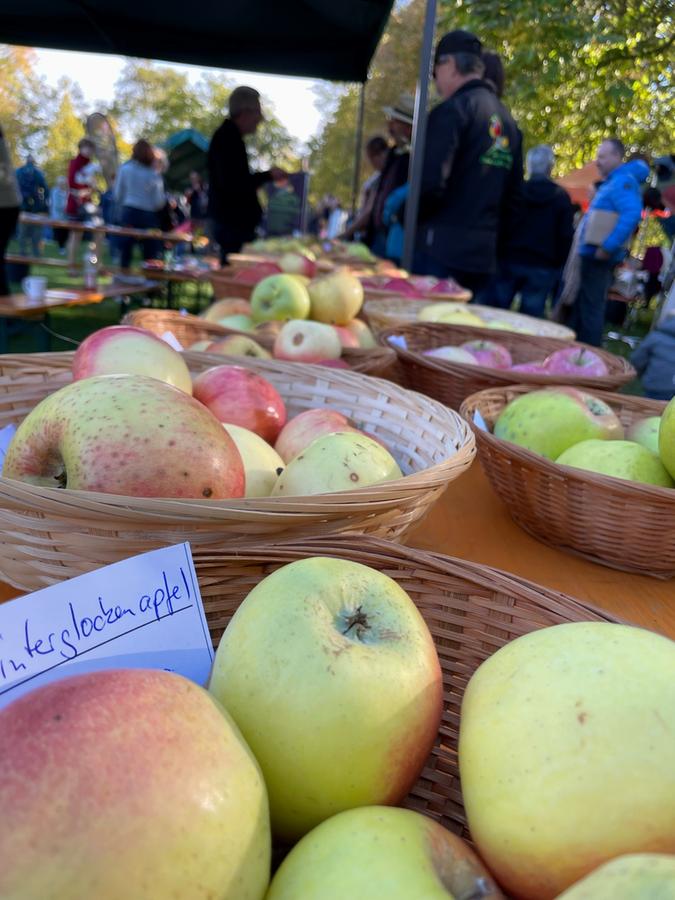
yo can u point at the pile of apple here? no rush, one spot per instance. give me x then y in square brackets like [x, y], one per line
[415, 287]
[574, 428]
[323, 705]
[458, 314]
[133, 422]
[577, 361]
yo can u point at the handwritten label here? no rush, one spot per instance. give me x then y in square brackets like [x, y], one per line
[144, 612]
[6, 435]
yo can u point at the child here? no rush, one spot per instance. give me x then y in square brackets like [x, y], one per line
[654, 360]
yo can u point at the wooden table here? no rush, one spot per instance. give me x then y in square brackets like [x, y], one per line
[141, 234]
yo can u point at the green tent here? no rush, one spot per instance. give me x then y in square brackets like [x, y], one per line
[186, 151]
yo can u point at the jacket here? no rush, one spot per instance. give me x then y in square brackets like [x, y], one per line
[472, 170]
[10, 195]
[139, 186]
[33, 187]
[233, 188]
[619, 193]
[654, 360]
[393, 220]
[79, 184]
[393, 175]
[541, 228]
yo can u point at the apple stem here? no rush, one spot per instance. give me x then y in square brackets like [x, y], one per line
[358, 619]
[61, 479]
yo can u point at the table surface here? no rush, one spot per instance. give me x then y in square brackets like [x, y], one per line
[19, 305]
[119, 230]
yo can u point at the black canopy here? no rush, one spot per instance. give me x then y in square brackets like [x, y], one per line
[332, 39]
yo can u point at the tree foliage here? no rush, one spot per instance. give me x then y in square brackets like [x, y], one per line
[64, 130]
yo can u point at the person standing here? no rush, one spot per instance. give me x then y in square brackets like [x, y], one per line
[538, 238]
[233, 207]
[395, 171]
[472, 170]
[139, 196]
[81, 178]
[58, 198]
[377, 151]
[197, 198]
[34, 198]
[605, 235]
[10, 202]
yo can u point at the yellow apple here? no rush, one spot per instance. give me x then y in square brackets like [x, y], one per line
[331, 674]
[238, 345]
[335, 298]
[638, 876]
[567, 753]
[451, 314]
[362, 333]
[262, 463]
[230, 306]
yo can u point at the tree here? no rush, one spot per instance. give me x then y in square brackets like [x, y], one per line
[24, 101]
[152, 102]
[64, 131]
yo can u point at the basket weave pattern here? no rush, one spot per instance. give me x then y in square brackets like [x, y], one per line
[610, 521]
[48, 535]
[450, 382]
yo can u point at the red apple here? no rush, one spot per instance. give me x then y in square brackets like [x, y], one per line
[301, 430]
[362, 333]
[575, 361]
[302, 341]
[489, 353]
[347, 338]
[403, 287]
[254, 274]
[298, 264]
[239, 396]
[447, 286]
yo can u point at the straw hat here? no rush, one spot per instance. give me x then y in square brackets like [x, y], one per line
[403, 109]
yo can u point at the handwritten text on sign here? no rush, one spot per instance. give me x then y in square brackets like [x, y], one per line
[143, 612]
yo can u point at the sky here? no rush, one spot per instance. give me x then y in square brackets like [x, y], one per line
[293, 98]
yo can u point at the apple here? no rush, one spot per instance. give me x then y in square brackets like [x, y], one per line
[347, 339]
[453, 354]
[238, 345]
[279, 297]
[576, 361]
[447, 286]
[646, 432]
[667, 437]
[550, 726]
[531, 368]
[423, 283]
[335, 298]
[635, 876]
[360, 251]
[254, 274]
[129, 783]
[362, 333]
[489, 353]
[238, 396]
[267, 329]
[199, 347]
[227, 307]
[620, 459]
[237, 322]
[340, 461]
[262, 463]
[298, 263]
[301, 430]
[330, 672]
[303, 341]
[125, 350]
[129, 435]
[450, 313]
[404, 287]
[378, 852]
[551, 420]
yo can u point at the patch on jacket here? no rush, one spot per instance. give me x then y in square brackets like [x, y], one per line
[498, 154]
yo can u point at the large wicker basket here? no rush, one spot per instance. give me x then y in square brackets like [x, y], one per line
[617, 523]
[461, 296]
[48, 534]
[394, 311]
[188, 329]
[471, 611]
[451, 382]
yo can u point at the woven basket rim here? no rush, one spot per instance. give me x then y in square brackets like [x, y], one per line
[373, 293]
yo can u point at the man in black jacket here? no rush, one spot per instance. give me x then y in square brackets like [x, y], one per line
[472, 169]
[233, 208]
[538, 238]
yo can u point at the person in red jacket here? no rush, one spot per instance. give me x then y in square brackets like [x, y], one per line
[81, 173]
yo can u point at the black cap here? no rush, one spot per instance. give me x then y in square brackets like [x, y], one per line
[458, 41]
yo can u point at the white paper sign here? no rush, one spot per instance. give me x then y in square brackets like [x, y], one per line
[145, 612]
[170, 338]
[480, 421]
[398, 340]
[6, 435]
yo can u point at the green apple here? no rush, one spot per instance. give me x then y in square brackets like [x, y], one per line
[129, 783]
[645, 432]
[380, 852]
[551, 420]
[330, 672]
[667, 437]
[237, 321]
[566, 753]
[636, 876]
[279, 297]
[620, 459]
[340, 461]
[262, 463]
[238, 345]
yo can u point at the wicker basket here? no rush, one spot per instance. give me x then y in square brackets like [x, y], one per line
[226, 285]
[47, 534]
[617, 523]
[451, 382]
[394, 311]
[462, 296]
[471, 611]
[188, 329]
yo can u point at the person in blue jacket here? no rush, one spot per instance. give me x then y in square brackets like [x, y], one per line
[620, 196]
[654, 360]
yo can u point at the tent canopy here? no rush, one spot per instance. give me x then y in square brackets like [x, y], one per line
[186, 151]
[332, 39]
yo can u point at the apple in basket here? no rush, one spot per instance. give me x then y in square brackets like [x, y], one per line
[489, 353]
[576, 361]
[256, 273]
[667, 437]
[237, 322]
[335, 298]
[362, 332]
[303, 341]
[446, 286]
[330, 672]
[566, 754]
[102, 772]
[125, 350]
[452, 354]
[553, 419]
[238, 345]
[298, 263]
[404, 287]
[620, 459]
[646, 432]
[347, 338]
[279, 297]
[262, 463]
[378, 852]
[129, 435]
[636, 876]
[307, 426]
[239, 396]
[227, 307]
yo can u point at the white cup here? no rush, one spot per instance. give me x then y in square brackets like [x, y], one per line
[34, 287]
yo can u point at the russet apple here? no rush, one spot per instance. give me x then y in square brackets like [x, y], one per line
[335, 298]
[667, 438]
[566, 753]
[279, 297]
[227, 307]
[126, 434]
[303, 341]
[382, 852]
[262, 463]
[301, 430]
[238, 345]
[489, 353]
[551, 420]
[238, 396]
[635, 876]
[125, 350]
[331, 674]
[129, 783]
[645, 432]
[620, 459]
